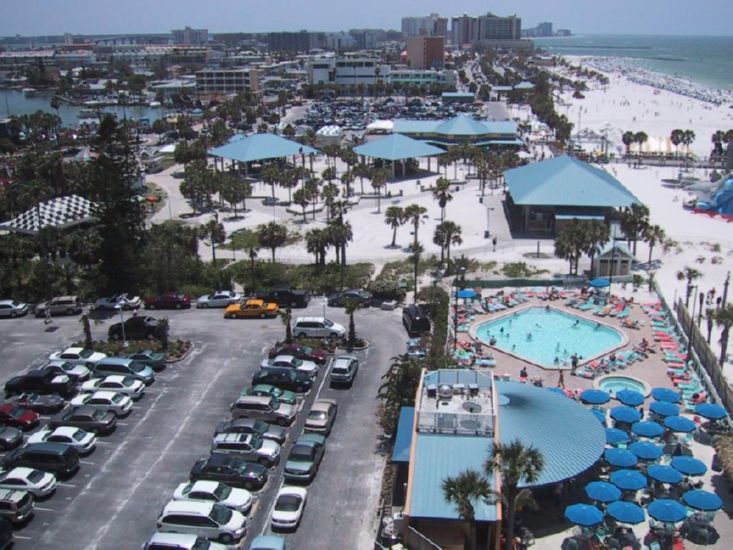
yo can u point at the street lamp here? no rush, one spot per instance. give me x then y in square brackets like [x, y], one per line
[122, 324]
[691, 324]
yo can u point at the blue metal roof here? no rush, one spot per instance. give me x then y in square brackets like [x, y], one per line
[461, 125]
[437, 457]
[457, 94]
[403, 441]
[397, 147]
[567, 434]
[259, 147]
[406, 126]
[566, 181]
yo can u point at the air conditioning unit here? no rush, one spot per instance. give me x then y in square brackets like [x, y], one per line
[445, 391]
[432, 391]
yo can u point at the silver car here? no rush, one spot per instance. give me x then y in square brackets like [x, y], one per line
[219, 298]
[11, 308]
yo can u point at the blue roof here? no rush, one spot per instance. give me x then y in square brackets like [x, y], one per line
[403, 441]
[397, 147]
[457, 94]
[524, 86]
[407, 126]
[259, 147]
[565, 181]
[437, 457]
[567, 434]
[461, 125]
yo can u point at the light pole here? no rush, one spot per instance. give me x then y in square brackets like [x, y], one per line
[690, 325]
[122, 324]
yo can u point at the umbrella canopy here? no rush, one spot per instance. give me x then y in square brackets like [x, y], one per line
[646, 450]
[647, 428]
[702, 500]
[666, 510]
[614, 436]
[664, 408]
[628, 480]
[466, 293]
[620, 458]
[626, 512]
[689, 465]
[602, 491]
[594, 397]
[680, 424]
[666, 394]
[711, 411]
[583, 514]
[664, 473]
[600, 415]
[625, 414]
[630, 397]
[599, 283]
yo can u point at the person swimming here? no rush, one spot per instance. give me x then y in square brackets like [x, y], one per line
[557, 347]
[492, 341]
[529, 336]
[598, 325]
[576, 323]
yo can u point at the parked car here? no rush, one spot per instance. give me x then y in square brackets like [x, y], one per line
[16, 506]
[267, 542]
[117, 383]
[214, 491]
[290, 362]
[91, 419]
[284, 396]
[361, 297]
[40, 382]
[286, 297]
[11, 308]
[232, 470]
[301, 352]
[61, 460]
[287, 379]
[42, 404]
[321, 416]
[343, 370]
[118, 301]
[218, 298]
[6, 534]
[10, 437]
[18, 416]
[168, 300]
[118, 403]
[181, 541]
[268, 409]
[206, 519]
[245, 425]
[249, 446]
[37, 482]
[78, 356]
[251, 309]
[60, 305]
[126, 367]
[317, 327]
[305, 458]
[84, 442]
[288, 509]
[415, 320]
[138, 327]
[153, 359]
[76, 372]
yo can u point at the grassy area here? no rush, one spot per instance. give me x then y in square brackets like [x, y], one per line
[405, 269]
[244, 239]
[176, 348]
[520, 270]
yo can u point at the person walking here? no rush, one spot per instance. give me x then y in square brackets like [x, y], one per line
[47, 317]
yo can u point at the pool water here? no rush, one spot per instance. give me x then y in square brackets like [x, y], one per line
[549, 337]
[614, 384]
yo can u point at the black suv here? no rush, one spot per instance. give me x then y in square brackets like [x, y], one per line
[284, 378]
[231, 470]
[361, 297]
[41, 382]
[138, 327]
[287, 297]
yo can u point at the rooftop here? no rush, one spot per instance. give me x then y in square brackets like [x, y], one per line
[259, 147]
[397, 147]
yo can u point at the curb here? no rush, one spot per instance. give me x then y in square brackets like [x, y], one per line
[182, 357]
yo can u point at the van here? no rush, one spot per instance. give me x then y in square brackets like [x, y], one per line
[317, 327]
[206, 519]
[56, 458]
[261, 407]
[415, 320]
[16, 506]
[126, 367]
[61, 305]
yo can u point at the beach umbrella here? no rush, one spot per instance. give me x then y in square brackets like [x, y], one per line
[620, 458]
[702, 500]
[594, 397]
[664, 473]
[614, 436]
[630, 397]
[646, 450]
[628, 480]
[664, 408]
[666, 394]
[600, 415]
[600, 282]
[625, 414]
[689, 465]
[584, 515]
[647, 428]
[466, 293]
[680, 424]
[711, 411]
[666, 510]
[602, 491]
[626, 512]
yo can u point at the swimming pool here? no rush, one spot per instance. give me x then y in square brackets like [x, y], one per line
[549, 337]
[614, 383]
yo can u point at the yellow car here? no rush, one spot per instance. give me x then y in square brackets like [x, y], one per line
[249, 309]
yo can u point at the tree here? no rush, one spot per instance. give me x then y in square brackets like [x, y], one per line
[379, 180]
[596, 234]
[676, 138]
[641, 138]
[340, 234]
[442, 194]
[272, 175]
[689, 274]
[272, 235]
[415, 257]
[350, 306]
[285, 317]
[724, 318]
[633, 222]
[688, 137]
[347, 178]
[317, 242]
[446, 235]
[515, 465]
[34, 193]
[233, 190]
[301, 197]
[416, 214]
[214, 231]
[569, 245]
[462, 491]
[394, 217]
[653, 235]
[398, 389]
[87, 329]
[627, 139]
[329, 193]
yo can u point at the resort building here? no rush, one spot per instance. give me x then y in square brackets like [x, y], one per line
[227, 81]
[425, 52]
[614, 259]
[432, 25]
[489, 28]
[190, 37]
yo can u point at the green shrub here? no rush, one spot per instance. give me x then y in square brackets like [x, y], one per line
[316, 279]
[387, 290]
[520, 270]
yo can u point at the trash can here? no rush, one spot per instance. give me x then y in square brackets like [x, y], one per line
[486, 234]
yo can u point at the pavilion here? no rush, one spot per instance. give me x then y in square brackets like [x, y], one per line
[398, 148]
[258, 147]
[60, 213]
[459, 130]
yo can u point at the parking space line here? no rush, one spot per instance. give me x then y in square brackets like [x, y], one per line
[43, 509]
[123, 424]
[87, 462]
[21, 537]
[65, 484]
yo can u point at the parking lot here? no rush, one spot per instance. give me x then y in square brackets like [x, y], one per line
[115, 498]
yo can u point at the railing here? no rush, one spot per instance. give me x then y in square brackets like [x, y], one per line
[455, 423]
[417, 541]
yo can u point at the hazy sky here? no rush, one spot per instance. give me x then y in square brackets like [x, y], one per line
[29, 17]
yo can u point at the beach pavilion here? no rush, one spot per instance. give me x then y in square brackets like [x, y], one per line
[396, 148]
[459, 130]
[545, 196]
[258, 147]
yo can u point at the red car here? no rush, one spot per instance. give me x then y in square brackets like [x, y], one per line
[168, 300]
[301, 352]
[20, 417]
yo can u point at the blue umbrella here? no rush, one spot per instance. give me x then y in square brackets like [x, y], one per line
[594, 397]
[647, 428]
[666, 394]
[646, 450]
[664, 473]
[666, 510]
[689, 466]
[466, 293]
[680, 424]
[711, 411]
[583, 514]
[614, 436]
[602, 491]
[621, 458]
[599, 283]
[626, 512]
[664, 408]
[625, 414]
[702, 500]
[600, 415]
[628, 480]
[630, 397]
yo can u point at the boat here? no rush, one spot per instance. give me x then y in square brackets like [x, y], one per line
[155, 103]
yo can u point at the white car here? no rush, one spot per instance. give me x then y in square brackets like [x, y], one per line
[251, 447]
[180, 541]
[219, 298]
[117, 383]
[36, 482]
[204, 518]
[292, 362]
[11, 308]
[119, 301]
[78, 356]
[288, 509]
[79, 439]
[118, 403]
[231, 497]
[73, 370]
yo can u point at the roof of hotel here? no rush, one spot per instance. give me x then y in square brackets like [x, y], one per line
[403, 440]
[397, 147]
[461, 125]
[259, 147]
[566, 181]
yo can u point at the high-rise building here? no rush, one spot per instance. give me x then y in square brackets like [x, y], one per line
[493, 27]
[227, 81]
[464, 30]
[432, 25]
[191, 37]
[541, 30]
[302, 41]
[425, 52]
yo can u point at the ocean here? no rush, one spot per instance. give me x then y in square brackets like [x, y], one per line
[706, 60]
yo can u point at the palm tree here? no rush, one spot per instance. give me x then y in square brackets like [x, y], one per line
[690, 274]
[627, 139]
[350, 306]
[398, 389]
[724, 318]
[394, 217]
[641, 138]
[272, 235]
[596, 234]
[416, 214]
[569, 244]
[688, 137]
[379, 180]
[362, 171]
[311, 187]
[87, 328]
[329, 193]
[441, 193]
[515, 465]
[272, 175]
[415, 257]
[285, 317]
[446, 234]
[302, 198]
[633, 222]
[347, 178]
[317, 242]
[676, 138]
[653, 235]
[214, 231]
[462, 491]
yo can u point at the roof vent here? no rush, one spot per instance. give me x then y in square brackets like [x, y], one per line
[445, 391]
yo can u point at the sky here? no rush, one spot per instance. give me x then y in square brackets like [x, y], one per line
[41, 17]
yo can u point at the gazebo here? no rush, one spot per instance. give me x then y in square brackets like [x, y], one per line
[257, 147]
[61, 213]
[395, 148]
